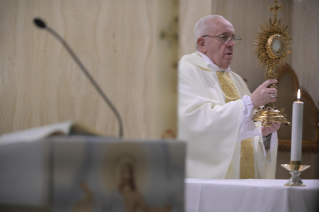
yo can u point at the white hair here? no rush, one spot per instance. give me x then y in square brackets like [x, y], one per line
[201, 27]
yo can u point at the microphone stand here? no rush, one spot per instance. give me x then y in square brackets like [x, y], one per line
[42, 25]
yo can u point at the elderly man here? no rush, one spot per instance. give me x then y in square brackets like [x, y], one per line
[215, 110]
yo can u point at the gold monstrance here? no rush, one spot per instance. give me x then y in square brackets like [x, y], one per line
[272, 46]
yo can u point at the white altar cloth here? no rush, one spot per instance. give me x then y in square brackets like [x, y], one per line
[250, 195]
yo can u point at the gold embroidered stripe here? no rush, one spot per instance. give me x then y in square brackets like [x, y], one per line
[247, 160]
[204, 69]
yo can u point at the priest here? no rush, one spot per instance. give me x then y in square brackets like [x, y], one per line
[215, 110]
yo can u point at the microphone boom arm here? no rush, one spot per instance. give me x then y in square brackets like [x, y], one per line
[85, 71]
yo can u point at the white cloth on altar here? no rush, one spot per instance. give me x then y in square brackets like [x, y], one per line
[250, 196]
[212, 128]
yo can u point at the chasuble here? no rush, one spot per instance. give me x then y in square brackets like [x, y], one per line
[210, 105]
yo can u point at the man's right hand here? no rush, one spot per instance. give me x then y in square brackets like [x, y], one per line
[262, 95]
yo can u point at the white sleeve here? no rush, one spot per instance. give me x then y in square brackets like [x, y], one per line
[247, 127]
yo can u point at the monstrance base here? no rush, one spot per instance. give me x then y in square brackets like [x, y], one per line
[270, 114]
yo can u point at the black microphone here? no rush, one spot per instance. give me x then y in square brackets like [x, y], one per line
[41, 24]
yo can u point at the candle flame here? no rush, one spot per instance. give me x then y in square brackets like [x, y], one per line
[298, 94]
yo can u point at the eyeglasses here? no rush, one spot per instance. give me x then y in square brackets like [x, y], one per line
[226, 39]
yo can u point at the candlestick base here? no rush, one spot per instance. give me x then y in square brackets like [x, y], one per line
[270, 114]
[295, 171]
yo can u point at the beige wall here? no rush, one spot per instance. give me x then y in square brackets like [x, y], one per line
[189, 13]
[164, 84]
[41, 84]
[118, 41]
[305, 45]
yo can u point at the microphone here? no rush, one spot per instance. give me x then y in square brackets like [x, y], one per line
[41, 24]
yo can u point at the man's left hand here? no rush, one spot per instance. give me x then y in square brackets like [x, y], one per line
[265, 131]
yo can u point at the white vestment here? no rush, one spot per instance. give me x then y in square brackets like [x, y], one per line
[210, 126]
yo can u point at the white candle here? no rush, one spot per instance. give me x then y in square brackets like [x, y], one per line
[296, 131]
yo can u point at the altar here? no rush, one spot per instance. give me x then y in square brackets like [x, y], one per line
[250, 195]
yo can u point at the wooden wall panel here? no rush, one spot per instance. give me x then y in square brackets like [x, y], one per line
[165, 69]
[41, 84]
[305, 45]
[190, 12]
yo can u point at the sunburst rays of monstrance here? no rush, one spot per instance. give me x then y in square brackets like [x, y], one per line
[272, 48]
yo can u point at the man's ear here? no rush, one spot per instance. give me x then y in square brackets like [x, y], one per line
[201, 45]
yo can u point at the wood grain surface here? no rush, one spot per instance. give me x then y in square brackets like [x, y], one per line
[40, 83]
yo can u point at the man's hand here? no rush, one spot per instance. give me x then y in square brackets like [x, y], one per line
[268, 130]
[263, 95]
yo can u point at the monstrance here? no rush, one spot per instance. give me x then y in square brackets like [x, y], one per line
[272, 47]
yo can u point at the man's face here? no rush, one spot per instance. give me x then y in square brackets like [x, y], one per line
[221, 54]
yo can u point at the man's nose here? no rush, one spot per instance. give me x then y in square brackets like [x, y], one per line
[231, 42]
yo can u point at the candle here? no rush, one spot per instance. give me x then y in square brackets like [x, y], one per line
[296, 131]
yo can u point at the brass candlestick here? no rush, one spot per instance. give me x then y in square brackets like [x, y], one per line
[272, 46]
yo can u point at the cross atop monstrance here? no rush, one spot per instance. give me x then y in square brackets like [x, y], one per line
[275, 8]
